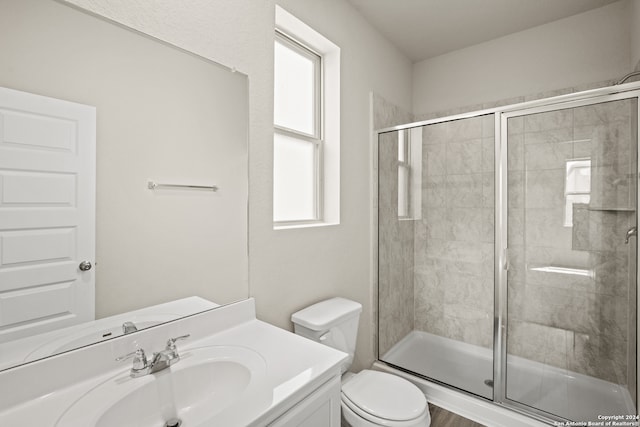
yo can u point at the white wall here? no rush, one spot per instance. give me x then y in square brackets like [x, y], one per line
[289, 269]
[582, 49]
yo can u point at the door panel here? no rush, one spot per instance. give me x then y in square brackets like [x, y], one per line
[37, 188]
[47, 211]
[572, 176]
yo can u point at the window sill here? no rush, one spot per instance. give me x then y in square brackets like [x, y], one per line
[304, 225]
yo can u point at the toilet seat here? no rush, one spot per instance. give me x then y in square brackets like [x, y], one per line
[356, 417]
[385, 400]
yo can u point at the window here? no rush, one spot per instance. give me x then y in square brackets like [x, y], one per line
[306, 126]
[297, 141]
[403, 174]
[410, 173]
[577, 186]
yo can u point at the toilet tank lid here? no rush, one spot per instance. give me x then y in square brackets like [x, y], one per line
[325, 314]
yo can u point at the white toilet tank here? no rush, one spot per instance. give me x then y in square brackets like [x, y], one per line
[333, 322]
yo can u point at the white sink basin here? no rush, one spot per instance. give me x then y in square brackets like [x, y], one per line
[207, 385]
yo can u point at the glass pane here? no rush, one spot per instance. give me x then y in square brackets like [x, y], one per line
[295, 89]
[572, 279]
[294, 185]
[435, 270]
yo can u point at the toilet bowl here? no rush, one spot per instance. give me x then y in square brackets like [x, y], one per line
[368, 398]
[372, 398]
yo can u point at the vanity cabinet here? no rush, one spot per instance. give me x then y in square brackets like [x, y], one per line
[321, 408]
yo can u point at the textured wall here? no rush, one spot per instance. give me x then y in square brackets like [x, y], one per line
[454, 239]
[584, 48]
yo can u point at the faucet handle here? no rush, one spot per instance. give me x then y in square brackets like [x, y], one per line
[171, 342]
[129, 327]
[139, 359]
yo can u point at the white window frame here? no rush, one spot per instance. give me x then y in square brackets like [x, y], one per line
[328, 142]
[409, 159]
[314, 138]
[404, 156]
[571, 164]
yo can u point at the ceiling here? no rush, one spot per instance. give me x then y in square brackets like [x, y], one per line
[423, 29]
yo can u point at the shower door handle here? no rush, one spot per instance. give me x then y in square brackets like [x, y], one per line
[633, 231]
[505, 257]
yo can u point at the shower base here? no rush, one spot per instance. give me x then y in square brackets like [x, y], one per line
[469, 367]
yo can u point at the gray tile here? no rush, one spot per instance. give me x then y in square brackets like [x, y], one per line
[436, 223]
[545, 189]
[545, 228]
[515, 125]
[464, 157]
[434, 191]
[580, 229]
[487, 222]
[465, 224]
[548, 136]
[464, 191]
[488, 154]
[515, 152]
[434, 156]
[488, 190]
[548, 120]
[488, 126]
[515, 189]
[603, 113]
[547, 155]
[515, 227]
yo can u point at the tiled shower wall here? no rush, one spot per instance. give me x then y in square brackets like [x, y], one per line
[395, 237]
[454, 251]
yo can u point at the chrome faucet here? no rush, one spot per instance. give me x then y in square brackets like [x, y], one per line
[633, 231]
[159, 361]
[129, 327]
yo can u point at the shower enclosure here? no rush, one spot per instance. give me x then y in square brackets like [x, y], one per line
[507, 253]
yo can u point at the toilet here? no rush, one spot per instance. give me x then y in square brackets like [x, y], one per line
[369, 398]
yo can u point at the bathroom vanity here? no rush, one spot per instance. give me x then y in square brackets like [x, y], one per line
[234, 370]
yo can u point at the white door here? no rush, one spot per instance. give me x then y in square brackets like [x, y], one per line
[47, 213]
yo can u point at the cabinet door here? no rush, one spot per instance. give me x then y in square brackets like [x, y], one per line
[320, 409]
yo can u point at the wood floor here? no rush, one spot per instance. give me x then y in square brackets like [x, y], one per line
[443, 418]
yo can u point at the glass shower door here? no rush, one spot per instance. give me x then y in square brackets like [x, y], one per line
[571, 217]
[436, 251]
